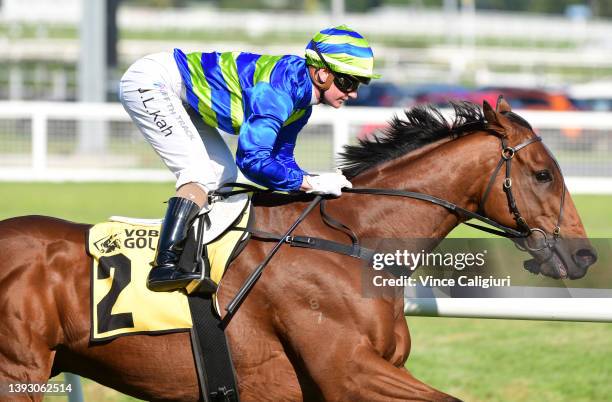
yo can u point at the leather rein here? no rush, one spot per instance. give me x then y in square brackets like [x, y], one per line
[523, 230]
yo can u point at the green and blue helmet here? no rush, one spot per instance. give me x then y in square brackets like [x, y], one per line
[344, 50]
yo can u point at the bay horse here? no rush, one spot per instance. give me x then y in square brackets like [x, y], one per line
[305, 332]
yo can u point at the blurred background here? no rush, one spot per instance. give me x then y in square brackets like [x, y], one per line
[64, 136]
[545, 56]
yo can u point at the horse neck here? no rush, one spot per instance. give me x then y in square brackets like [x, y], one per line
[456, 171]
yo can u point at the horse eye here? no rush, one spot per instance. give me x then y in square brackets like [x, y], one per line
[543, 176]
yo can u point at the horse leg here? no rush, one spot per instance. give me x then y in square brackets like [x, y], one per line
[273, 379]
[23, 363]
[362, 367]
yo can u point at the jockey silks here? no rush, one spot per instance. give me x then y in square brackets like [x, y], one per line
[264, 99]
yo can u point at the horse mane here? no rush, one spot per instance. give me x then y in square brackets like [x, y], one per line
[423, 125]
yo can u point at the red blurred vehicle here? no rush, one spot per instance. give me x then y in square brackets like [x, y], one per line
[533, 99]
[519, 98]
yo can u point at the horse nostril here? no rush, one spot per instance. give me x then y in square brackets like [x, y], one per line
[585, 257]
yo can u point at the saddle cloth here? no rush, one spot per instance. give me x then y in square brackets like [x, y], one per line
[122, 251]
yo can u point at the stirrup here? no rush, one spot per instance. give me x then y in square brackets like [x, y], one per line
[204, 285]
[172, 279]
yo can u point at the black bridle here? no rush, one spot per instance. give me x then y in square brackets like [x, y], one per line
[355, 250]
[506, 158]
[524, 230]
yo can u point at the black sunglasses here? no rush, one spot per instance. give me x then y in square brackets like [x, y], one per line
[346, 83]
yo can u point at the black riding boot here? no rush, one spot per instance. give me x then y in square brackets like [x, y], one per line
[166, 276]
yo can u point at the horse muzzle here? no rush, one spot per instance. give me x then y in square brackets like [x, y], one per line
[561, 258]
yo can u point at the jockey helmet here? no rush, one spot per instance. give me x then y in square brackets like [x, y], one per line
[343, 51]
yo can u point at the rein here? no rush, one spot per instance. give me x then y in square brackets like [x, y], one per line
[507, 155]
[355, 250]
[524, 231]
[504, 231]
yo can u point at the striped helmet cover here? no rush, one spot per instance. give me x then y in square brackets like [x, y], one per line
[345, 50]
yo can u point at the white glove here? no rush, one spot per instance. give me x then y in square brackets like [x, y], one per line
[328, 183]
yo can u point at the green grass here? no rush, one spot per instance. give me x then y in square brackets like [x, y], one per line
[89, 203]
[474, 359]
[502, 360]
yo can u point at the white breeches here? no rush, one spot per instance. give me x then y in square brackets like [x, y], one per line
[151, 92]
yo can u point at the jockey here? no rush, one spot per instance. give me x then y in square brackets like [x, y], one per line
[179, 102]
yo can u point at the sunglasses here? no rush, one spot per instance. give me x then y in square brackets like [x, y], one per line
[344, 82]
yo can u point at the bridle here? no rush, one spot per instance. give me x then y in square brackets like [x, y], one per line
[524, 230]
[507, 155]
[355, 250]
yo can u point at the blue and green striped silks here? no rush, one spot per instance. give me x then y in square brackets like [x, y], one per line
[264, 99]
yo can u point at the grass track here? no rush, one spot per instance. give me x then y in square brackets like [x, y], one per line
[474, 359]
[506, 360]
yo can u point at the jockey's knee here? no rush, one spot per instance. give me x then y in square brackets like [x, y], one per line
[193, 191]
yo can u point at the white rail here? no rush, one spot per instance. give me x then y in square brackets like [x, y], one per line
[582, 141]
[340, 123]
[571, 309]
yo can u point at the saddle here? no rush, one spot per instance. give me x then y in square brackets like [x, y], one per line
[219, 216]
[122, 250]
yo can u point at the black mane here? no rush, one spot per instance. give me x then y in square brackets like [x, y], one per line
[423, 125]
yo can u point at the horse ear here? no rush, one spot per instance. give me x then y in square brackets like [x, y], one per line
[489, 113]
[502, 105]
[493, 119]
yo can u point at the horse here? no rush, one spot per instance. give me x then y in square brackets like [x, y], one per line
[305, 332]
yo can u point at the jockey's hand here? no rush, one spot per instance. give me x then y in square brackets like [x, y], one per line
[327, 183]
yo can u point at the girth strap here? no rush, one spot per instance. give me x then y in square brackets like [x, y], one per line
[316, 243]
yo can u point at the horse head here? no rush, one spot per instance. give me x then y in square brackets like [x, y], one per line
[486, 164]
[534, 199]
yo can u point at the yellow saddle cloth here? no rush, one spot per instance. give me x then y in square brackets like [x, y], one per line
[121, 302]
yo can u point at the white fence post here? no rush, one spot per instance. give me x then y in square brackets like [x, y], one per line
[39, 141]
[589, 161]
[76, 395]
